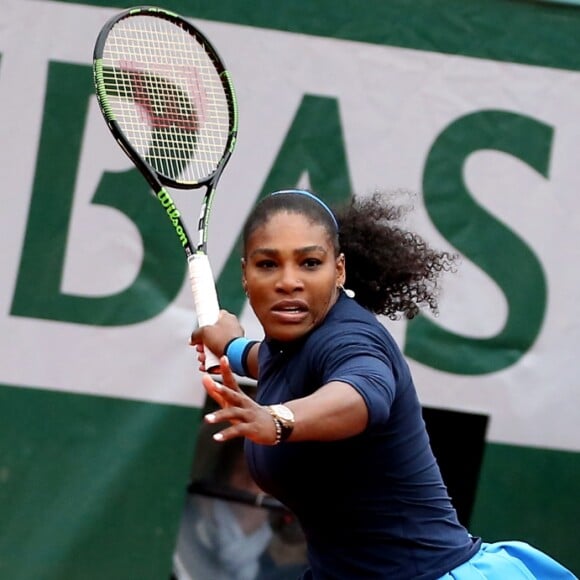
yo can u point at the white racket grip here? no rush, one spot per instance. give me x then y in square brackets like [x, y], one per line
[205, 299]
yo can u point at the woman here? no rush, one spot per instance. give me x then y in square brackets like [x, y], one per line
[336, 432]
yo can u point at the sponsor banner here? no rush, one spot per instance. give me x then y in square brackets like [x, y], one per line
[94, 290]
[475, 128]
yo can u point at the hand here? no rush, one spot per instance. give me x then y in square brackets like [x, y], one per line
[215, 336]
[247, 418]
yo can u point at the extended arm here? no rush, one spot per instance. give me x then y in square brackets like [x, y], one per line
[335, 411]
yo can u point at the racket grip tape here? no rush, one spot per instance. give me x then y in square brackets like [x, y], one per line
[205, 300]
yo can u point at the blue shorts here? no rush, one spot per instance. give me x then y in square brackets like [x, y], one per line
[513, 560]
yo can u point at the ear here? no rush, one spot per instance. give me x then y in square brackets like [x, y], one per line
[244, 281]
[340, 270]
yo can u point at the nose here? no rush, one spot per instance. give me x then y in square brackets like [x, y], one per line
[289, 280]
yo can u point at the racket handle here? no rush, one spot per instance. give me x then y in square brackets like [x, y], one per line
[205, 300]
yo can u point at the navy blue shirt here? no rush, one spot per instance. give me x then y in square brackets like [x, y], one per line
[372, 506]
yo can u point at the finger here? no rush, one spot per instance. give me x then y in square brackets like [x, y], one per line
[213, 389]
[263, 434]
[202, 359]
[232, 414]
[196, 337]
[233, 397]
[201, 356]
[227, 375]
[226, 434]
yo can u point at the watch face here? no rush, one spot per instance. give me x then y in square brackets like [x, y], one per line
[283, 412]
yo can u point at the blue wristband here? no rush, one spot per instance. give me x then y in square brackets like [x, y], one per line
[237, 352]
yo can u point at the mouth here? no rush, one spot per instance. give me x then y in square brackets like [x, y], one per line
[291, 311]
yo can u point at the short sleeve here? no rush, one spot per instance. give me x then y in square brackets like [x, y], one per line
[360, 358]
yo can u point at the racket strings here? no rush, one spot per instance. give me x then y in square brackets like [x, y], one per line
[167, 96]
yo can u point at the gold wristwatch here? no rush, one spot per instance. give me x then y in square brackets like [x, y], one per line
[284, 421]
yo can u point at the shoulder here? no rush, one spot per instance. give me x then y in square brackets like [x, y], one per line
[349, 321]
[350, 326]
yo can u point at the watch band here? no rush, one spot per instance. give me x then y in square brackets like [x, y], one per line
[278, 425]
[283, 421]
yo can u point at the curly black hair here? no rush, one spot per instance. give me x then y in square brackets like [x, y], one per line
[391, 270]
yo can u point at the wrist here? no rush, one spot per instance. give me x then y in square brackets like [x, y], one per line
[278, 432]
[284, 421]
[237, 350]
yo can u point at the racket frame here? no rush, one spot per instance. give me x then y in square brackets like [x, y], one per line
[157, 181]
[201, 277]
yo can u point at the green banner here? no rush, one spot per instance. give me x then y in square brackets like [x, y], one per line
[470, 120]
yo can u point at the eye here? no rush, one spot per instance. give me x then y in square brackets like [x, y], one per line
[265, 264]
[311, 263]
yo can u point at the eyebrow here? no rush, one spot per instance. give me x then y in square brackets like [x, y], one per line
[298, 252]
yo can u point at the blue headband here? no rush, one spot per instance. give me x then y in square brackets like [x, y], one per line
[311, 196]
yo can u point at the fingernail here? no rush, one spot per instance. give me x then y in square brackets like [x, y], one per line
[218, 437]
[210, 417]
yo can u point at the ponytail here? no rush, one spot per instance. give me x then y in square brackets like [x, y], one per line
[392, 271]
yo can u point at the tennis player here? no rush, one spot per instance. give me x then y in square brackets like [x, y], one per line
[336, 432]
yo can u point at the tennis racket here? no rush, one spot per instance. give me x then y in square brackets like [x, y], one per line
[170, 103]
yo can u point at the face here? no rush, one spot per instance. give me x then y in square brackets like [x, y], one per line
[291, 275]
